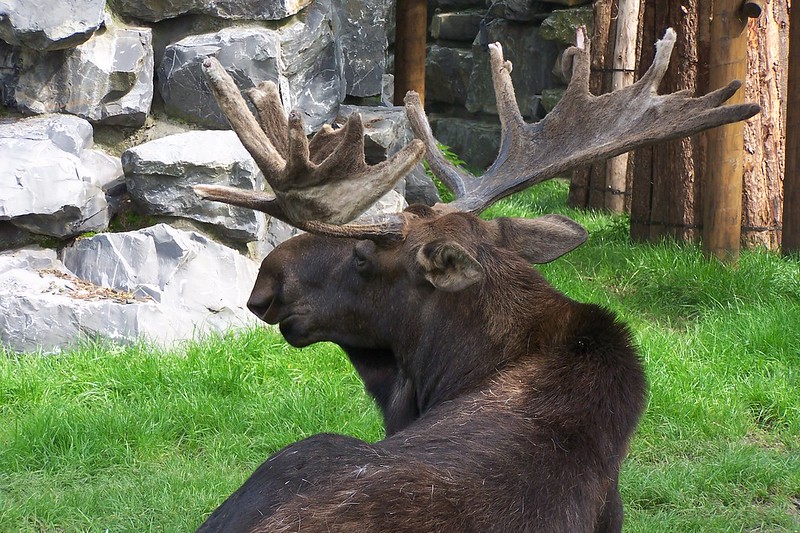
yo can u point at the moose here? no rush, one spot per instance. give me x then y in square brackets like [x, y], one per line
[507, 405]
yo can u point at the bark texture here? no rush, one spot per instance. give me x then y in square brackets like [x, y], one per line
[765, 134]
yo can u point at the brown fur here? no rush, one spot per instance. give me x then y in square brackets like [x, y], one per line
[508, 406]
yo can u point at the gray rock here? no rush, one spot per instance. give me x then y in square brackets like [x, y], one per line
[49, 26]
[516, 10]
[447, 74]
[9, 74]
[361, 31]
[250, 55]
[456, 26]
[312, 66]
[301, 57]
[454, 5]
[152, 284]
[185, 270]
[51, 181]
[532, 57]
[160, 175]
[33, 258]
[562, 24]
[155, 10]
[476, 142]
[107, 80]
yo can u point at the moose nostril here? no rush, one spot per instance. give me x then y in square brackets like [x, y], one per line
[259, 306]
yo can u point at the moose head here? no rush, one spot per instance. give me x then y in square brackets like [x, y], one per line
[508, 406]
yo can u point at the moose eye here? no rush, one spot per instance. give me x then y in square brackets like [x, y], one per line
[361, 255]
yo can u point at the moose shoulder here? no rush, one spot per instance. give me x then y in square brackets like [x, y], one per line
[508, 406]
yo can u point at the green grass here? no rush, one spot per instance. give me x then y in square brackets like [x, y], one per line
[140, 439]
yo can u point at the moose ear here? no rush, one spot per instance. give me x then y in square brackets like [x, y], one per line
[540, 240]
[448, 266]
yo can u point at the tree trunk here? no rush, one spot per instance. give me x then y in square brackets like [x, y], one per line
[624, 63]
[410, 48]
[791, 205]
[722, 199]
[666, 186]
[587, 187]
[764, 134]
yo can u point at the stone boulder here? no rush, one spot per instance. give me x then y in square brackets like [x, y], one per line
[361, 29]
[313, 66]
[107, 80]
[50, 25]
[160, 174]
[447, 74]
[457, 26]
[152, 284]
[156, 10]
[51, 180]
[250, 55]
[477, 142]
[562, 24]
[301, 57]
[533, 58]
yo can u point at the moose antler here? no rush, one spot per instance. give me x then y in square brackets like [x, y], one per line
[316, 184]
[326, 181]
[582, 128]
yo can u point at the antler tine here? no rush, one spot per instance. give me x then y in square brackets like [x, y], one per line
[317, 184]
[455, 179]
[242, 121]
[582, 128]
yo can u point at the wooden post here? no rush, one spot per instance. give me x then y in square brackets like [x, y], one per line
[624, 64]
[409, 48]
[791, 180]
[722, 191]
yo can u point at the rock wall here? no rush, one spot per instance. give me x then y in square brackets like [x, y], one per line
[106, 123]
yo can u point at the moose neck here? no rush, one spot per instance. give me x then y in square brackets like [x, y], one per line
[514, 311]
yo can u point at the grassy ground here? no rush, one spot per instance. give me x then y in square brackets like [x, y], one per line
[138, 439]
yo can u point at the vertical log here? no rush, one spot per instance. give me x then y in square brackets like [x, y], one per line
[409, 49]
[764, 134]
[791, 199]
[666, 186]
[587, 184]
[722, 206]
[622, 76]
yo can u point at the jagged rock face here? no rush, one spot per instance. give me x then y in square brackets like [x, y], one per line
[447, 74]
[160, 175]
[156, 10]
[533, 59]
[562, 24]
[107, 80]
[50, 25]
[301, 57]
[361, 33]
[151, 284]
[477, 142]
[250, 55]
[313, 65]
[51, 181]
